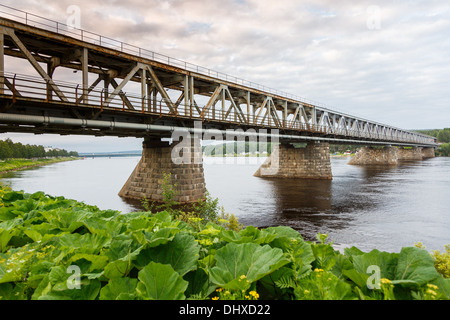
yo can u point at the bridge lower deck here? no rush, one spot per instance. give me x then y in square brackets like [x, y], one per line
[169, 93]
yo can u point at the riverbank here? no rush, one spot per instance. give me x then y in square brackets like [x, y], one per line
[22, 164]
[62, 244]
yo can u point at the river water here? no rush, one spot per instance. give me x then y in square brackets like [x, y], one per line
[385, 208]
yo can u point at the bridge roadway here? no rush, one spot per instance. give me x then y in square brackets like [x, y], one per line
[129, 91]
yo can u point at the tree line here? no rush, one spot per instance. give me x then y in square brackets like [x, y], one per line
[442, 135]
[14, 150]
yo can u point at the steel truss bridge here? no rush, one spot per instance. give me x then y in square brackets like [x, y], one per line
[169, 93]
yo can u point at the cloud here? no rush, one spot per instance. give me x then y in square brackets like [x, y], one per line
[386, 60]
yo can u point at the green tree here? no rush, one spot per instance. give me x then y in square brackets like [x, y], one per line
[444, 135]
[9, 149]
[5, 150]
[444, 150]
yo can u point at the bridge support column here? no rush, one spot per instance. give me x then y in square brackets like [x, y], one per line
[157, 159]
[414, 153]
[286, 161]
[428, 153]
[372, 156]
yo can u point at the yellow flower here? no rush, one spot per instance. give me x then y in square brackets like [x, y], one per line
[215, 298]
[432, 292]
[432, 286]
[385, 281]
[306, 291]
[318, 270]
[254, 294]
[219, 289]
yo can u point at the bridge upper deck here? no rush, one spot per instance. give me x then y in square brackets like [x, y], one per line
[169, 92]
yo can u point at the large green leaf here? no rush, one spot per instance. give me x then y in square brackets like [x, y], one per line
[5, 237]
[12, 196]
[89, 290]
[283, 231]
[55, 287]
[246, 259]
[66, 219]
[181, 253]
[103, 226]
[97, 262]
[117, 269]
[386, 261]
[249, 234]
[87, 243]
[123, 248]
[155, 238]
[160, 282]
[415, 264]
[285, 237]
[199, 283]
[119, 289]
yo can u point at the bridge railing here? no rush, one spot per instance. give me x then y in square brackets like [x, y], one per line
[97, 39]
[28, 88]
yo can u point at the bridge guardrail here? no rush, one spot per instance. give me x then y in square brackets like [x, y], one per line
[97, 39]
[23, 87]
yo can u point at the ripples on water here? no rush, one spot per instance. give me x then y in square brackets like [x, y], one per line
[369, 207]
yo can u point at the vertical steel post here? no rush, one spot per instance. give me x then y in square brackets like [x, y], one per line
[85, 70]
[223, 104]
[191, 95]
[2, 61]
[154, 93]
[186, 94]
[143, 87]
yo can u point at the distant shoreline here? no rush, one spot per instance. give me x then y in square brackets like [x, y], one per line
[12, 165]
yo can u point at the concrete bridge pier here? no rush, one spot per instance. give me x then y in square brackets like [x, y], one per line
[184, 163]
[428, 153]
[413, 153]
[390, 155]
[286, 161]
[376, 156]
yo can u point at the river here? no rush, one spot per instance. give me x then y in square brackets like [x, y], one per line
[368, 207]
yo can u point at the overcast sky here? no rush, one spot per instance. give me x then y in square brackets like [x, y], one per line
[387, 61]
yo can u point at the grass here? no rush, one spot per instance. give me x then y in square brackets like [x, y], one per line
[21, 164]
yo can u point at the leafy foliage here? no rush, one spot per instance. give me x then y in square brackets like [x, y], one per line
[56, 248]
